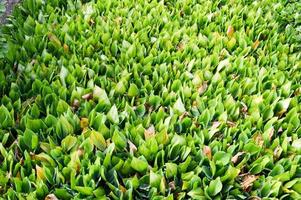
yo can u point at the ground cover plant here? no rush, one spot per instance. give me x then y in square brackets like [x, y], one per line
[151, 99]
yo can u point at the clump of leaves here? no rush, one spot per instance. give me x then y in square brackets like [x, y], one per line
[150, 100]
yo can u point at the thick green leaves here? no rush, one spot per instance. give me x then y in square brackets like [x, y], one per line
[5, 118]
[101, 95]
[139, 164]
[221, 158]
[179, 107]
[113, 115]
[98, 140]
[215, 187]
[133, 90]
[29, 139]
[68, 142]
[171, 170]
[150, 100]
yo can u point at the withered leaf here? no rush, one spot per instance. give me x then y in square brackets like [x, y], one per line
[51, 197]
[207, 151]
[150, 132]
[248, 181]
[203, 88]
[87, 96]
[235, 158]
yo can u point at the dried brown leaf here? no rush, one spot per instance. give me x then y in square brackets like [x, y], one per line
[132, 146]
[236, 157]
[244, 108]
[248, 181]
[75, 104]
[181, 46]
[118, 20]
[280, 130]
[277, 152]
[297, 91]
[271, 133]
[150, 132]
[51, 197]
[87, 96]
[258, 139]
[207, 151]
[172, 185]
[80, 152]
[215, 124]
[231, 124]
[183, 115]
[203, 88]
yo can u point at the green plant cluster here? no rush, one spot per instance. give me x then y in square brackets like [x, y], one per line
[189, 99]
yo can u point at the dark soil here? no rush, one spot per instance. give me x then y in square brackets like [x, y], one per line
[9, 4]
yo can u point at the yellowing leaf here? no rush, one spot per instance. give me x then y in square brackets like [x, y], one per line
[255, 44]
[98, 140]
[230, 31]
[56, 42]
[84, 123]
[40, 172]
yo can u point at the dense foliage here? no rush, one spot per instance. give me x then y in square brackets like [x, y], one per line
[151, 100]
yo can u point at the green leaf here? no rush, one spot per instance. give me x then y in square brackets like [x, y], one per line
[155, 100]
[297, 145]
[282, 106]
[176, 85]
[215, 186]
[109, 152]
[154, 179]
[84, 190]
[98, 140]
[30, 139]
[101, 96]
[133, 90]
[63, 127]
[119, 140]
[139, 164]
[62, 107]
[222, 158]
[5, 118]
[297, 187]
[68, 142]
[62, 193]
[35, 124]
[230, 174]
[113, 115]
[251, 148]
[120, 88]
[205, 117]
[171, 170]
[179, 107]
